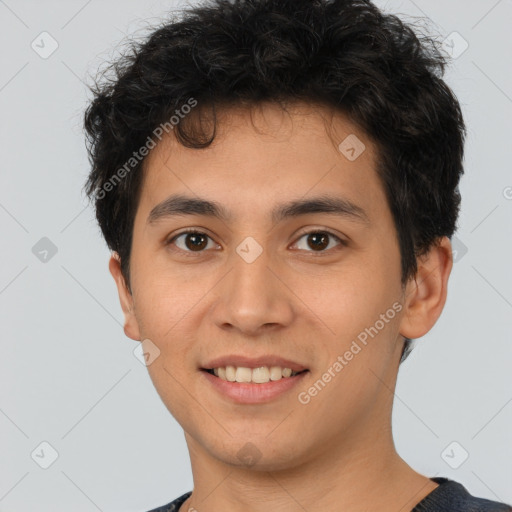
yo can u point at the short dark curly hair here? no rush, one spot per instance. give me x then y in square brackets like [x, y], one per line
[343, 54]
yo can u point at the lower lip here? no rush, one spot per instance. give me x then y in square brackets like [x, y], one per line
[249, 393]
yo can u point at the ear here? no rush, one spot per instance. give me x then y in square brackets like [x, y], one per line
[425, 294]
[131, 327]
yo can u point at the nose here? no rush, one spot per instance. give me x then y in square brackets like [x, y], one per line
[253, 297]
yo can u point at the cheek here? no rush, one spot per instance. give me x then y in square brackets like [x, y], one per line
[163, 316]
[350, 296]
[361, 308]
[162, 295]
[170, 383]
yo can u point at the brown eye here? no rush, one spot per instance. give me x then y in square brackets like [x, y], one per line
[318, 241]
[196, 241]
[193, 241]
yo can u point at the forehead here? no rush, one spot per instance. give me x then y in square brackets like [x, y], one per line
[262, 153]
[272, 122]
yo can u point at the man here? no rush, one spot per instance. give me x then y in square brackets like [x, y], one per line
[278, 182]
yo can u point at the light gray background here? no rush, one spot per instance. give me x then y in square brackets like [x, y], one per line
[69, 376]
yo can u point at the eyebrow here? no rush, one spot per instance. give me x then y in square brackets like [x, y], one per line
[176, 205]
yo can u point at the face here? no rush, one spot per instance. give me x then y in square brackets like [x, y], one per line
[319, 289]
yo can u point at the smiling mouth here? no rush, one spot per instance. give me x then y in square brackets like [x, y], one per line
[260, 375]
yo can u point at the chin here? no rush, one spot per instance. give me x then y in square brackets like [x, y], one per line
[258, 454]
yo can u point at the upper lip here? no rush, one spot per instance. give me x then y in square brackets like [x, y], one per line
[253, 362]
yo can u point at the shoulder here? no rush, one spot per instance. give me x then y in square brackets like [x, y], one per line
[174, 506]
[451, 496]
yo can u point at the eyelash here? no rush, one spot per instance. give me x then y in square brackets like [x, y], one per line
[197, 232]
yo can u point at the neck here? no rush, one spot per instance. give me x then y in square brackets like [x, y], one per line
[365, 473]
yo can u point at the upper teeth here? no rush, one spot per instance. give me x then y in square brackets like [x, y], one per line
[257, 375]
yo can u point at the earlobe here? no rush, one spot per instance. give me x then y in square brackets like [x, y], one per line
[425, 294]
[131, 327]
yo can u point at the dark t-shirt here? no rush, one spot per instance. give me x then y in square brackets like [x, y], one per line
[450, 496]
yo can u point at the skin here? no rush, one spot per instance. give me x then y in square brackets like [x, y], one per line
[337, 451]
